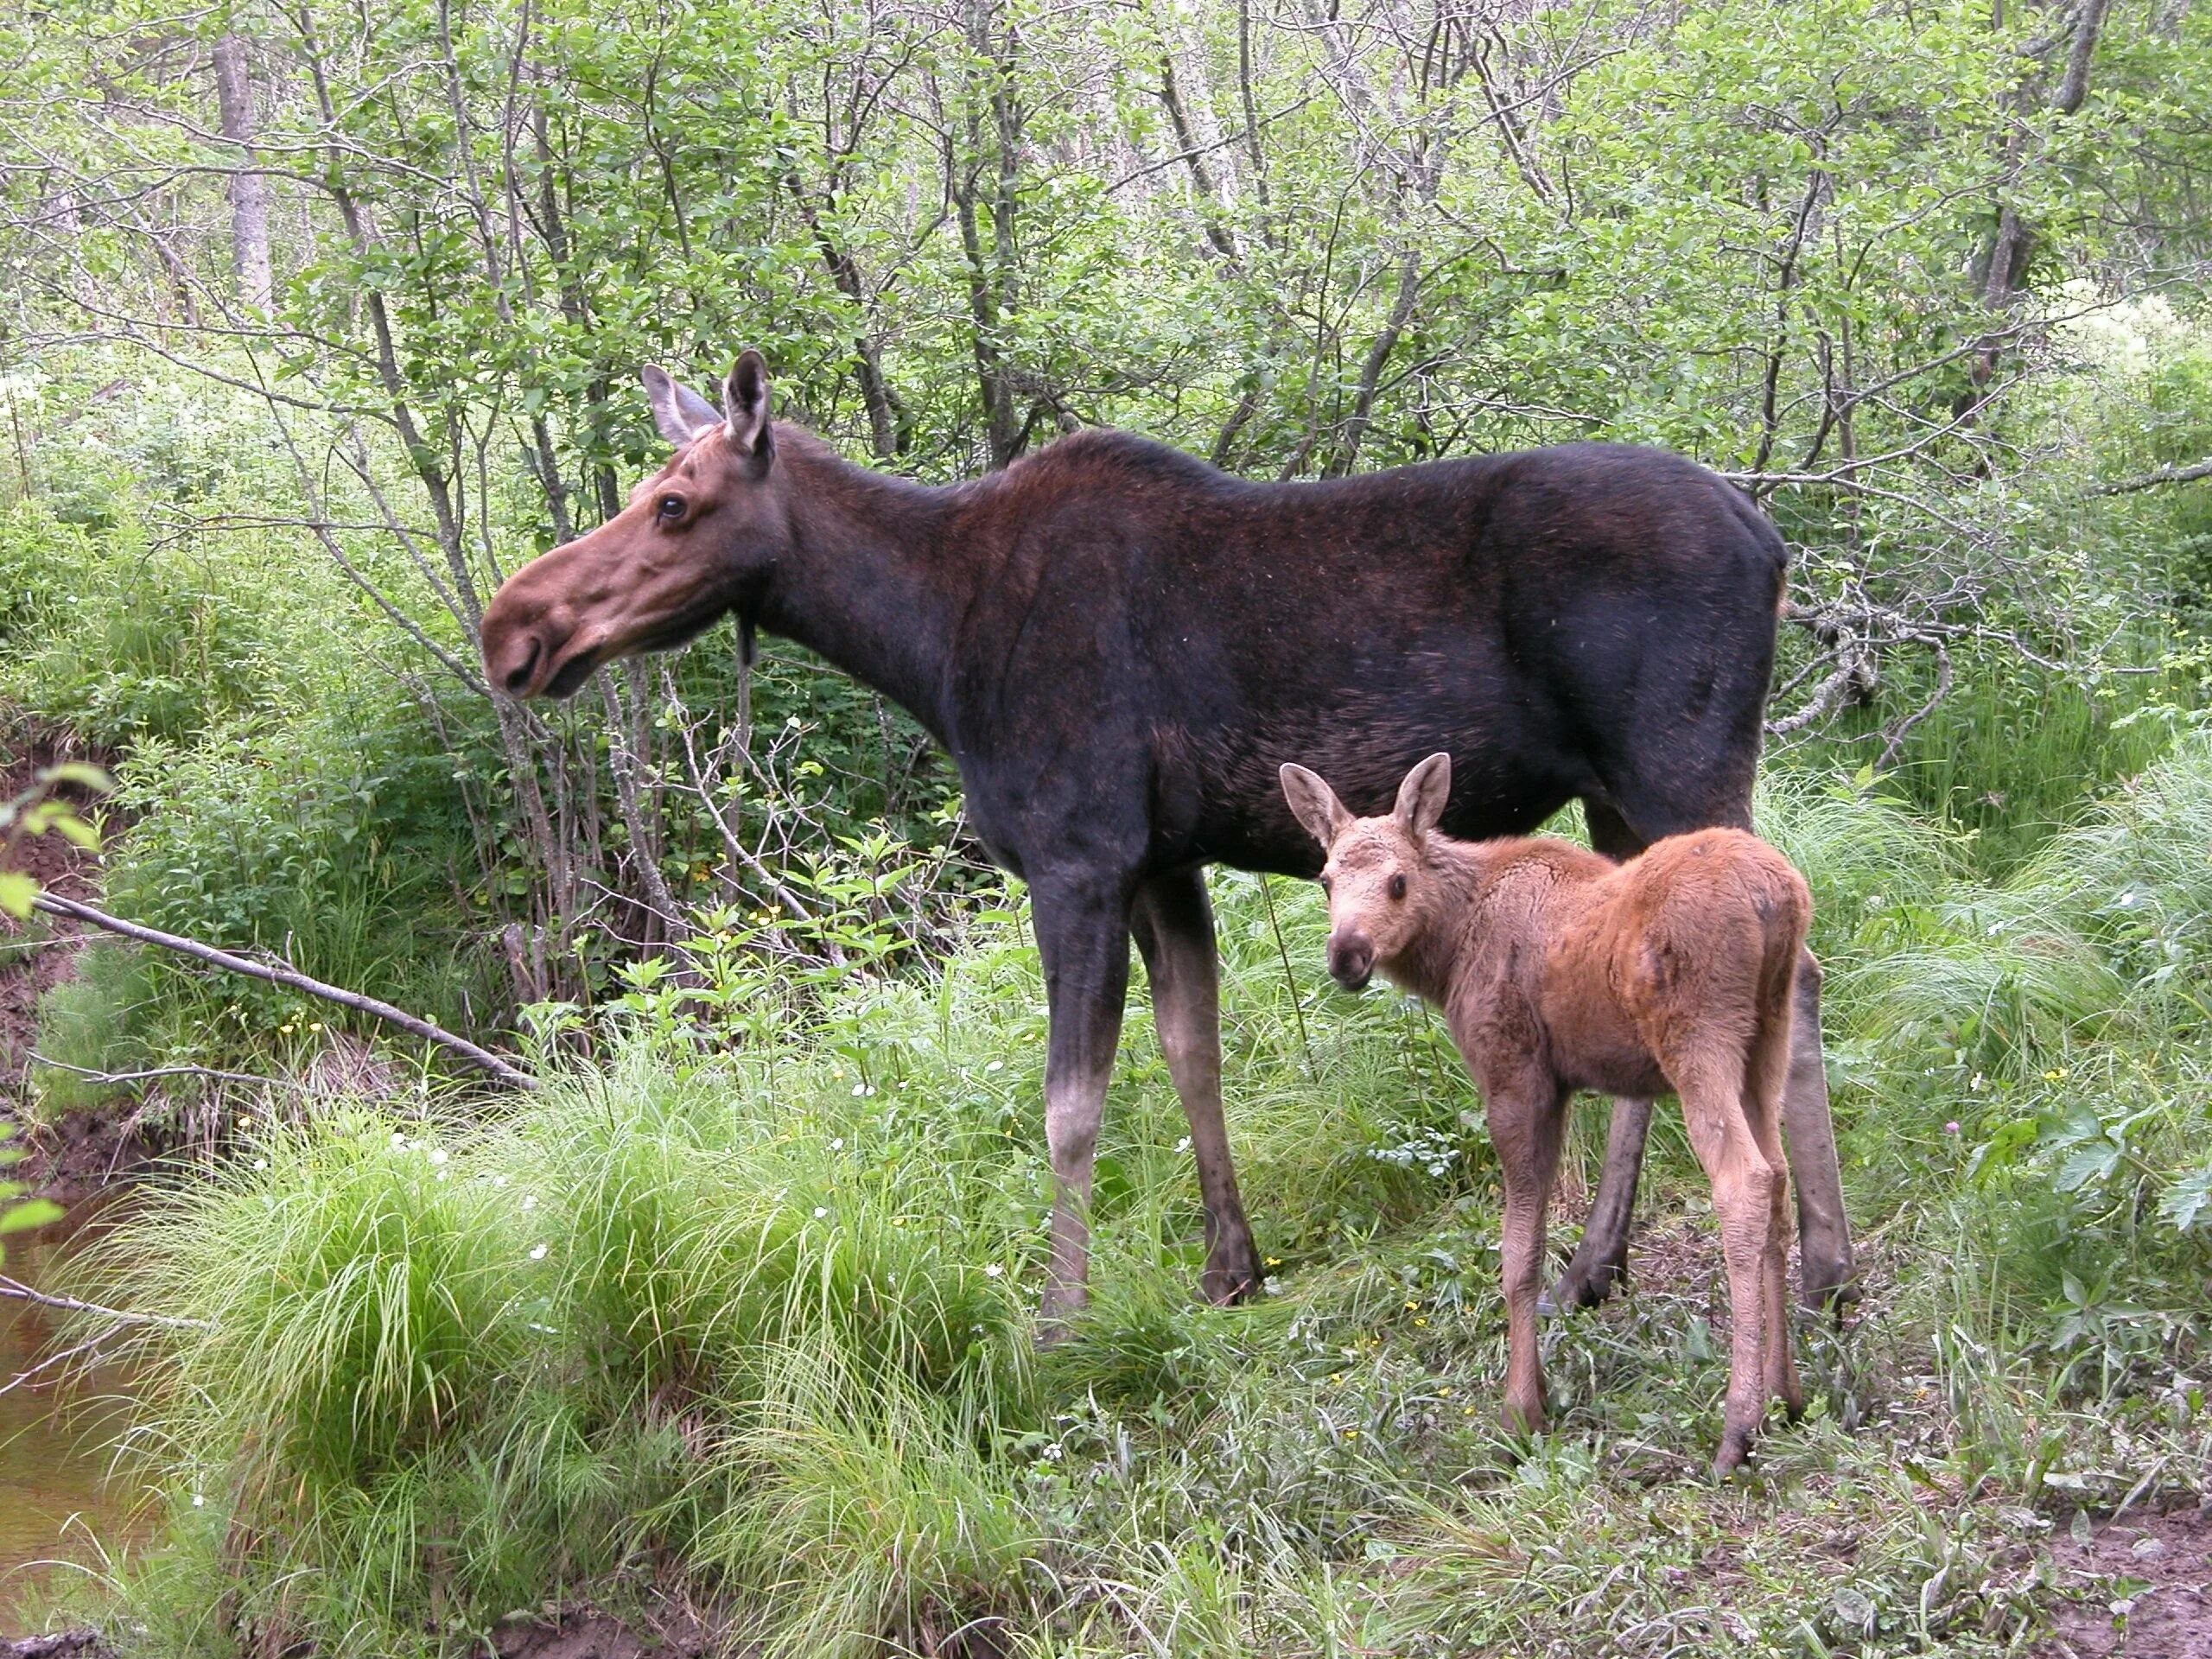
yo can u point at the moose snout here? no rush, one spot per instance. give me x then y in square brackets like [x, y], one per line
[1351, 960]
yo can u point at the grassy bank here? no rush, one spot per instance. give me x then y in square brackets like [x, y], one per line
[748, 1321]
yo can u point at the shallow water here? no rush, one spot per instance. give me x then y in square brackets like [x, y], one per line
[56, 1504]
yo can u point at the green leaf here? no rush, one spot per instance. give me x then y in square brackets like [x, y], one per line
[32, 1213]
[16, 893]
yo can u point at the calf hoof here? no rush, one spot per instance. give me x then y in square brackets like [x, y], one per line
[1523, 1419]
[1585, 1284]
[1733, 1462]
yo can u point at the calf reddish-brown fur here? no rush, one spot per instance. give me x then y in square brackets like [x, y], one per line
[1558, 969]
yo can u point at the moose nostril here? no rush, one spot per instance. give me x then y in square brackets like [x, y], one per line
[518, 675]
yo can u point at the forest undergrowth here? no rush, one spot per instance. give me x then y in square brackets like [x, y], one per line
[748, 1321]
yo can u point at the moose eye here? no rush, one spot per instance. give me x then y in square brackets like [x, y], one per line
[1397, 887]
[668, 509]
[1325, 884]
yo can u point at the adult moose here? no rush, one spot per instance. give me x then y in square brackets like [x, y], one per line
[1119, 645]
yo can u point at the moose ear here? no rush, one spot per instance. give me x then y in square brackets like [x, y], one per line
[1422, 796]
[1314, 804]
[682, 415]
[744, 398]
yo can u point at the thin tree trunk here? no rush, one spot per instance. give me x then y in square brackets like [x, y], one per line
[249, 189]
[2013, 247]
[1370, 372]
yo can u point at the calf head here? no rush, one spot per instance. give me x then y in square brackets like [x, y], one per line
[698, 538]
[1381, 883]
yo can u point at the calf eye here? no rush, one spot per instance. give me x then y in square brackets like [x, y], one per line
[1325, 884]
[1397, 887]
[669, 508]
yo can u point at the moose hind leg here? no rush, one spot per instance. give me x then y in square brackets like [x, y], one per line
[1082, 938]
[1173, 924]
[1829, 1276]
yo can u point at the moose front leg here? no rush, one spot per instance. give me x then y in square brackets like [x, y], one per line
[1173, 924]
[1600, 1263]
[1084, 938]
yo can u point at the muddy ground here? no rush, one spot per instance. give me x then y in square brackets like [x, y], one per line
[2135, 1588]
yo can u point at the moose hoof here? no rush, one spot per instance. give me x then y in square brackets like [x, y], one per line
[1585, 1284]
[1230, 1277]
[1828, 1287]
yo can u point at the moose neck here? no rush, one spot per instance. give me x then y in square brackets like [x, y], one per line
[868, 585]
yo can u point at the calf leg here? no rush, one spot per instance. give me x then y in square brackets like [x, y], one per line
[1744, 1190]
[1173, 924]
[1082, 937]
[1829, 1277]
[1765, 1078]
[1526, 1117]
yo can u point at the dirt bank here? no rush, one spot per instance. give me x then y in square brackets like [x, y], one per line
[87, 1150]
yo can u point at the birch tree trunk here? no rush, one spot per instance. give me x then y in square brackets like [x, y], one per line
[249, 189]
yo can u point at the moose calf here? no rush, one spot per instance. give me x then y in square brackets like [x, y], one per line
[1557, 971]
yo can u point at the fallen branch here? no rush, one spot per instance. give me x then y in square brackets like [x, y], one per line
[207, 1071]
[2150, 481]
[482, 1058]
[23, 1293]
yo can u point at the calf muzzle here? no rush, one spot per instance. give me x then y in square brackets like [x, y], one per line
[1351, 960]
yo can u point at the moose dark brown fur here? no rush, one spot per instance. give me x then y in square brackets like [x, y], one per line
[1119, 645]
[1556, 970]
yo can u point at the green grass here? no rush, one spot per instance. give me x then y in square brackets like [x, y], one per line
[751, 1323]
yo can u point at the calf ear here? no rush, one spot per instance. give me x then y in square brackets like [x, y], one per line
[682, 415]
[745, 397]
[1422, 796]
[1314, 804]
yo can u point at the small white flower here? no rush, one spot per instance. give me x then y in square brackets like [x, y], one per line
[398, 1138]
[440, 1155]
[537, 1252]
[838, 1145]
[498, 1180]
[530, 1200]
[199, 1500]
[995, 1065]
[261, 1163]
[859, 1091]
[819, 1211]
[992, 1270]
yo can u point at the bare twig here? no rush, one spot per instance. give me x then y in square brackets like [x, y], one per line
[2153, 480]
[23, 1293]
[206, 1071]
[482, 1058]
